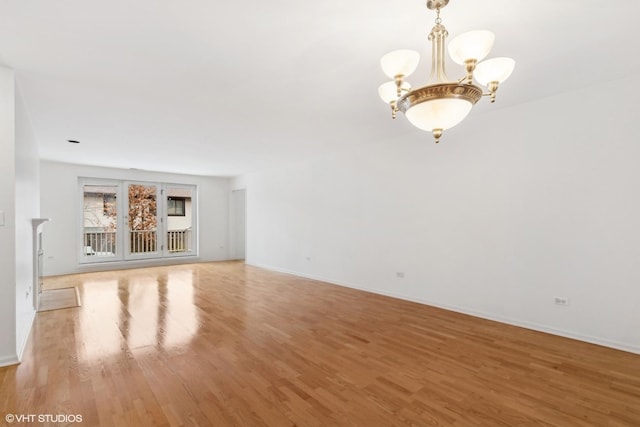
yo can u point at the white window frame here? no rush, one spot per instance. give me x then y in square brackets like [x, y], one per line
[82, 256]
[194, 220]
[123, 252]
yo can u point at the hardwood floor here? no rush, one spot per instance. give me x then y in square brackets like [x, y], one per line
[224, 344]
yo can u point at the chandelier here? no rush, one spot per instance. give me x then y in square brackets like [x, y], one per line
[442, 103]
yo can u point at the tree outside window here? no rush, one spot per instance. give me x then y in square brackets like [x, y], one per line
[142, 216]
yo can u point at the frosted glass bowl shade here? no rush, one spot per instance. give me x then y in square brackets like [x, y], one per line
[494, 70]
[439, 106]
[389, 91]
[400, 62]
[471, 45]
[439, 113]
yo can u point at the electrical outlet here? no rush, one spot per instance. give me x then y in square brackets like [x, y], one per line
[561, 300]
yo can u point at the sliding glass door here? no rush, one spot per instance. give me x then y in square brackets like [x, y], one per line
[100, 213]
[180, 219]
[143, 239]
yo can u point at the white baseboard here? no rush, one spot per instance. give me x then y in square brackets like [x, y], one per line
[9, 360]
[27, 332]
[126, 265]
[510, 321]
[138, 263]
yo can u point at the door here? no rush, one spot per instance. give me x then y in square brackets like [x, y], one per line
[128, 220]
[142, 239]
[101, 213]
[179, 220]
[238, 224]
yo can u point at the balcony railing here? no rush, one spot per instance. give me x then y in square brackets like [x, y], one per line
[143, 241]
[99, 243]
[179, 240]
[104, 243]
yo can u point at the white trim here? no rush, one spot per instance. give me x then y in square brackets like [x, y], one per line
[137, 263]
[27, 330]
[507, 320]
[8, 361]
[36, 223]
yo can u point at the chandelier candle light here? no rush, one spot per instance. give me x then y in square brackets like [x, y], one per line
[442, 104]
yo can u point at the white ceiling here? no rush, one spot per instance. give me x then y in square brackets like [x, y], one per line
[224, 88]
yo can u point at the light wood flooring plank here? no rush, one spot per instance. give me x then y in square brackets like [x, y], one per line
[224, 344]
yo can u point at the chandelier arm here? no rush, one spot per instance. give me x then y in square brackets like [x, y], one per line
[470, 65]
[493, 88]
[492, 96]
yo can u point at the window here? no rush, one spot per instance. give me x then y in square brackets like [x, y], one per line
[99, 213]
[127, 220]
[176, 206]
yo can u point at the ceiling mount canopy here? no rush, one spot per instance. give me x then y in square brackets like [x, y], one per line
[442, 103]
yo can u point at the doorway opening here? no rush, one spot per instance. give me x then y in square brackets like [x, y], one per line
[238, 224]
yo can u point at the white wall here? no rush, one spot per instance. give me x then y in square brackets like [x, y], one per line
[27, 206]
[59, 192]
[8, 353]
[510, 210]
[19, 205]
[238, 182]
